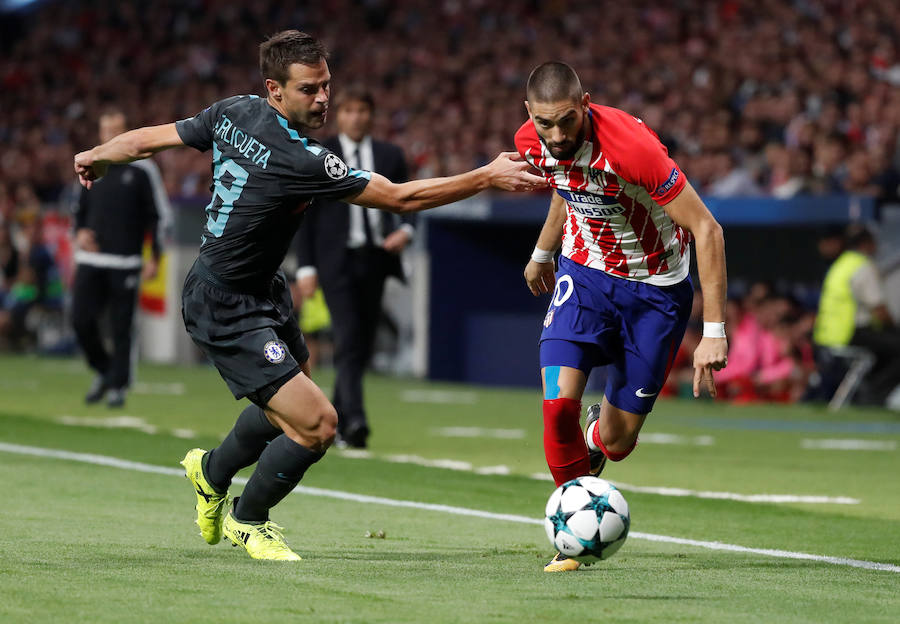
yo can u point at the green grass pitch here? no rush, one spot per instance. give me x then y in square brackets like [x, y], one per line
[84, 542]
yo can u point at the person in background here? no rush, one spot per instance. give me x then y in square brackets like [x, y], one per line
[111, 221]
[35, 281]
[9, 260]
[351, 251]
[853, 311]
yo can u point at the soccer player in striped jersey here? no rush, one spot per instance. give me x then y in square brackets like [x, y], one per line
[625, 215]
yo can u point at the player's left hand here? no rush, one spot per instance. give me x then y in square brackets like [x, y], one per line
[87, 169]
[396, 241]
[540, 277]
[711, 354]
[510, 172]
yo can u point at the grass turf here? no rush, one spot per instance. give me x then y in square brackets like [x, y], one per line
[91, 543]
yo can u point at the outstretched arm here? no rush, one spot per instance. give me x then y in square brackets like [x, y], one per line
[507, 172]
[539, 272]
[124, 148]
[688, 211]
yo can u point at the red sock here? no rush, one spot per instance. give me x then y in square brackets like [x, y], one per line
[595, 438]
[564, 446]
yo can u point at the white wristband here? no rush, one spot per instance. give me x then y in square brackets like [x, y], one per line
[713, 330]
[542, 256]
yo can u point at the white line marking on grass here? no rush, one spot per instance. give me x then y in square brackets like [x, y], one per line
[450, 464]
[674, 438]
[108, 422]
[115, 462]
[444, 397]
[121, 422]
[744, 498]
[464, 466]
[479, 432]
[493, 470]
[174, 388]
[846, 444]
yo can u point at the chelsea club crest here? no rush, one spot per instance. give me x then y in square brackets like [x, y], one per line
[274, 352]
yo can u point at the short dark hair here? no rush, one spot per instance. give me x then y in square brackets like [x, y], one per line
[552, 82]
[283, 49]
[858, 235]
[354, 93]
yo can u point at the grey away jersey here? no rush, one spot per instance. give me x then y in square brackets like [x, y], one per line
[265, 174]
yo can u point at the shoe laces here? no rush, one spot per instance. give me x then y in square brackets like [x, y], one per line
[213, 511]
[272, 531]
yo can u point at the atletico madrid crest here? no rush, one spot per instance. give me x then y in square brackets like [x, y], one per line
[549, 318]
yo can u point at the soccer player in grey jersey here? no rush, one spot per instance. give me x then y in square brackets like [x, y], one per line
[235, 303]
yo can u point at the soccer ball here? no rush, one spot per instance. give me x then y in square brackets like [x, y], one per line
[587, 518]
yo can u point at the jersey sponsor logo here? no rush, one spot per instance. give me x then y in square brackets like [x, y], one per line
[274, 352]
[668, 184]
[335, 167]
[591, 205]
[643, 395]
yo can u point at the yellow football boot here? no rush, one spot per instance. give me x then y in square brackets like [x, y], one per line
[261, 541]
[561, 563]
[211, 505]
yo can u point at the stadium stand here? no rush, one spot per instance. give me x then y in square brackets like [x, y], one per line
[764, 98]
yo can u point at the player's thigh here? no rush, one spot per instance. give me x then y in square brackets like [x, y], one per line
[565, 367]
[563, 382]
[303, 412]
[653, 326]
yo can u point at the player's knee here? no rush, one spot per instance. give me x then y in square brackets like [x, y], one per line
[324, 427]
[618, 441]
[621, 447]
[315, 428]
[328, 425]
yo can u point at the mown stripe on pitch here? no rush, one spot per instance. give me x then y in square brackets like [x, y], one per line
[123, 464]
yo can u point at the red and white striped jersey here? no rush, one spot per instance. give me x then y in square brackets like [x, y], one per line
[615, 188]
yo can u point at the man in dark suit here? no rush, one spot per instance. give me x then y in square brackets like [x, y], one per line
[351, 250]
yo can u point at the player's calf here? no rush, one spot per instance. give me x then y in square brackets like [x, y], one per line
[564, 446]
[280, 468]
[610, 432]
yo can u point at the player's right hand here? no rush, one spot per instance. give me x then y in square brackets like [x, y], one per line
[540, 277]
[510, 172]
[710, 355]
[87, 169]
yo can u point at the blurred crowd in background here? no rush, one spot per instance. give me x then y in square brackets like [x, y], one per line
[768, 97]
[763, 98]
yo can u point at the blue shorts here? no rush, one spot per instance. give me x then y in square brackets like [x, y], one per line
[595, 319]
